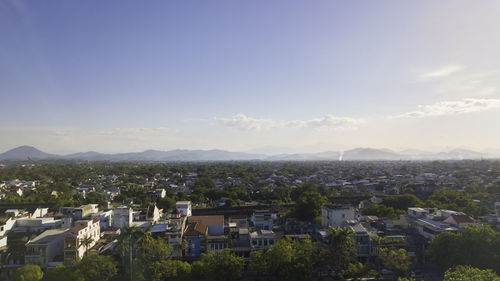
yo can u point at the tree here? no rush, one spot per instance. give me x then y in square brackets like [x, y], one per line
[86, 242]
[96, 267]
[356, 271]
[222, 266]
[469, 273]
[381, 210]
[395, 260]
[170, 270]
[476, 246]
[62, 272]
[28, 272]
[287, 260]
[308, 206]
[340, 251]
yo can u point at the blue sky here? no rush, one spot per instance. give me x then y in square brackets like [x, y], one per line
[259, 76]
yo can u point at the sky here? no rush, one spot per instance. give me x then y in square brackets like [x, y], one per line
[262, 76]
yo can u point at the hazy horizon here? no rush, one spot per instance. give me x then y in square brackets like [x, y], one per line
[285, 76]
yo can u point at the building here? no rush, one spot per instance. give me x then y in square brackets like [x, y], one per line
[184, 207]
[105, 219]
[153, 213]
[263, 219]
[262, 239]
[45, 247]
[459, 220]
[215, 224]
[337, 215]
[194, 236]
[122, 217]
[74, 240]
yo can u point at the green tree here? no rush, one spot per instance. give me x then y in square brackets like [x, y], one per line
[395, 260]
[476, 246]
[468, 273]
[223, 266]
[62, 272]
[357, 271]
[96, 267]
[170, 270]
[340, 249]
[28, 272]
[381, 210]
[86, 242]
[287, 260]
[308, 206]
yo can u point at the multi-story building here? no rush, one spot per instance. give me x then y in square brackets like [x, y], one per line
[184, 207]
[75, 244]
[337, 215]
[262, 239]
[122, 217]
[45, 247]
[262, 219]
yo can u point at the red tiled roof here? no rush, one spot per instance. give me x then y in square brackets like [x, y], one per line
[196, 227]
[462, 219]
[207, 220]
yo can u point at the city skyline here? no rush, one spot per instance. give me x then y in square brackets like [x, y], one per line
[289, 76]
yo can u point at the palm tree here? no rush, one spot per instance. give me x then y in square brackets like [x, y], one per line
[181, 247]
[129, 240]
[86, 242]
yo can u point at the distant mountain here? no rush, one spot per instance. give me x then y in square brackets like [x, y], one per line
[321, 156]
[357, 154]
[460, 154]
[171, 155]
[23, 152]
[371, 154]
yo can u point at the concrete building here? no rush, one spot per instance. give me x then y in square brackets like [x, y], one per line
[45, 247]
[337, 215]
[74, 246]
[262, 219]
[122, 216]
[262, 239]
[184, 207]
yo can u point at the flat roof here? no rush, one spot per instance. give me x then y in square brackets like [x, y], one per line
[47, 236]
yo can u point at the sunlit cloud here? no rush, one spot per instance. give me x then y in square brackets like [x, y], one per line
[243, 122]
[444, 108]
[441, 72]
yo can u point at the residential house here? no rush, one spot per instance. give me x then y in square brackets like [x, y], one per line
[215, 224]
[194, 236]
[459, 220]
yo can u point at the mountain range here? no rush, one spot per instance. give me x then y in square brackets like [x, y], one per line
[356, 154]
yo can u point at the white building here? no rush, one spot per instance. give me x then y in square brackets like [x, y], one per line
[337, 215]
[74, 245]
[184, 207]
[262, 239]
[263, 219]
[104, 218]
[122, 216]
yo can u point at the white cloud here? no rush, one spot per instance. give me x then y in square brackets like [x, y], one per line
[444, 108]
[243, 122]
[442, 72]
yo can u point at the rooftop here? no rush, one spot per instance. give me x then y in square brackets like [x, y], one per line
[47, 236]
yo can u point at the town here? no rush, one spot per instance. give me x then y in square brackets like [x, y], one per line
[326, 220]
